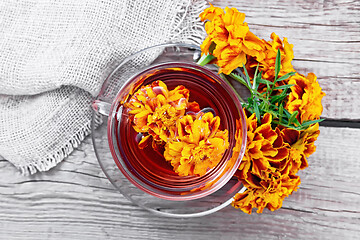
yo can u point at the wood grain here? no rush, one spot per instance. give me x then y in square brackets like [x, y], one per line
[76, 201]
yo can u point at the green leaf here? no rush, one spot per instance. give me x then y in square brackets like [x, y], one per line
[278, 98]
[281, 112]
[238, 78]
[267, 87]
[256, 75]
[265, 81]
[258, 78]
[257, 112]
[254, 84]
[306, 124]
[296, 122]
[259, 96]
[275, 114]
[282, 124]
[284, 86]
[292, 117]
[246, 72]
[205, 59]
[212, 47]
[250, 109]
[286, 76]
[223, 76]
[287, 113]
[277, 63]
[264, 106]
[247, 76]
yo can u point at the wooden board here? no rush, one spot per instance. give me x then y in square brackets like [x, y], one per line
[76, 201]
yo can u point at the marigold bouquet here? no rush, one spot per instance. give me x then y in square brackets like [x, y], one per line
[283, 111]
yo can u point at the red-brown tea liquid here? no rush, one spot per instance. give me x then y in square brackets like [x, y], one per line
[147, 168]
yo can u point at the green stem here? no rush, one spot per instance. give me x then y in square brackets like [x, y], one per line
[227, 81]
[283, 124]
[205, 59]
[240, 80]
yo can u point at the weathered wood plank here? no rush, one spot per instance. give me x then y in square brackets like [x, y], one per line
[326, 38]
[75, 200]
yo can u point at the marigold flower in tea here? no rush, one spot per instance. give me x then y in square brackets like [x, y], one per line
[238, 141]
[231, 38]
[199, 145]
[305, 97]
[154, 110]
[234, 157]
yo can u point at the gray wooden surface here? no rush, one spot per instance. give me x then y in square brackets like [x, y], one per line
[75, 200]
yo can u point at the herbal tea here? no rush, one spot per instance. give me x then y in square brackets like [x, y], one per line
[175, 131]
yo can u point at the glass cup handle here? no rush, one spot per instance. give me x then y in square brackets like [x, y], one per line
[101, 107]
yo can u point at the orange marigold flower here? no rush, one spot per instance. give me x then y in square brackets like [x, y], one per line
[199, 145]
[267, 64]
[265, 149]
[266, 168]
[305, 97]
[238, 141]
[271, 196]
[301, 146]
[154, 109]
[232, 39]
[210, 12]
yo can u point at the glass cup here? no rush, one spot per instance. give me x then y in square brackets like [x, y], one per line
[138, 176]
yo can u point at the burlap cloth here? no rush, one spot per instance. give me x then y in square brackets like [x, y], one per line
[54, 56]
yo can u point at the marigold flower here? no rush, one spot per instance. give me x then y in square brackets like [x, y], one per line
[232, 39]
[274, 154]
[267, 64]
[301, 146]
[210, 12]
[270, 197]
[305, 97]
[199, 145]
[271, 160]
[154, 109]
[264, 150]
[238, 141]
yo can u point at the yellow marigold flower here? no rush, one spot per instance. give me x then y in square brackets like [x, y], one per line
[210, 12]
[154, 109]
[264, 150]
[238, 141]
[199, 145]
[267, 64]
[271, 160]
[301, 146]
[270, 197]
[232, 39]
[305, 97]
[234, 157]
[267, 169]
